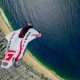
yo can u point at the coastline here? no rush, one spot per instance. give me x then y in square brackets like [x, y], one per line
[29, 58]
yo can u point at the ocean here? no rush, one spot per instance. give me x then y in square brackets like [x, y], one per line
[59, 22]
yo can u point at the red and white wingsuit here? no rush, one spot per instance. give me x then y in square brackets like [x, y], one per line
[17, 46]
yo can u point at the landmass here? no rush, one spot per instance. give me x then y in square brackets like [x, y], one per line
[30, 67]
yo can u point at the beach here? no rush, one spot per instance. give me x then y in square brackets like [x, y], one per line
[28, 57]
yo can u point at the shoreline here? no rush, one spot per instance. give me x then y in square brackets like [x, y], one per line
[28, 57]
[41, 68]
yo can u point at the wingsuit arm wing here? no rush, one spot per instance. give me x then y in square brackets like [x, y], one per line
[8, 36]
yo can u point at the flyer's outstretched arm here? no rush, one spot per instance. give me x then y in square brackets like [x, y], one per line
[37, 33]
[8, 36]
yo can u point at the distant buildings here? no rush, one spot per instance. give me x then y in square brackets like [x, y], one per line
[3, 43]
